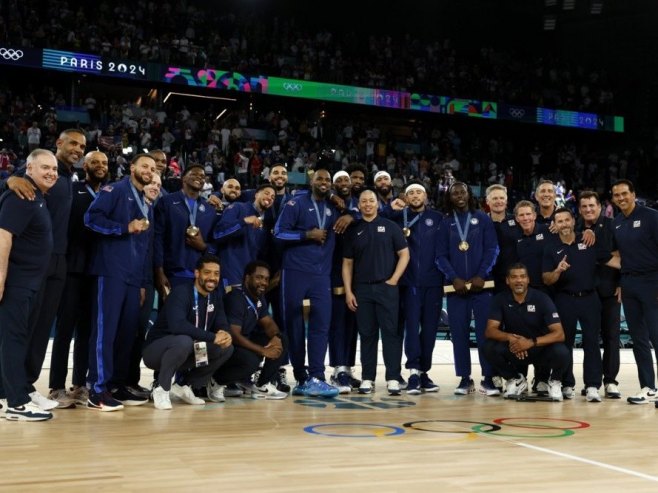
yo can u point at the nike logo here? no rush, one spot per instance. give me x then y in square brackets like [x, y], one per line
[131, 200]
[81, 192]
[359, 233]
[560, 251]
[175, 203]
[618, 226]
[311, 209]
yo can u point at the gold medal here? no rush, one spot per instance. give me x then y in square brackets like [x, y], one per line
[407, 232]
[146, 223]
[463, 246]
[192, 231]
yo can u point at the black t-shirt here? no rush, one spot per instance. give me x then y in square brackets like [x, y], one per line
[30, 224]
[244, 312]
[530, 318]
[373, 246]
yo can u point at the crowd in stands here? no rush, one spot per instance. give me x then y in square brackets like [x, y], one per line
[245, 40]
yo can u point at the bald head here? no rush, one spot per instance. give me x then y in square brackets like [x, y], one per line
[96, 167]
[231, 190]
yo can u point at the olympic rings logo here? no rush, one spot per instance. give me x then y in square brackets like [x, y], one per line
[516, 112]
[11, 54]
[292, 86]
[544, 429]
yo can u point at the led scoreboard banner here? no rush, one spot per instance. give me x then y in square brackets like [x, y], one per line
[69, 61]
[217, 79]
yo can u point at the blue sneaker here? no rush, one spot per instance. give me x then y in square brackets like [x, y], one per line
[413, 386]
[319, 388]
[465, 387]
[426, 384]
[488, 388]
[299, 389]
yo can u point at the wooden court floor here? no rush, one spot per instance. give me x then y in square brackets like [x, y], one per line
[432, 442]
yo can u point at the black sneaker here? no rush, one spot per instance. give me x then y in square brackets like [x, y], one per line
[281, 381]
[139, 391]
[103, 401]
[128, 398]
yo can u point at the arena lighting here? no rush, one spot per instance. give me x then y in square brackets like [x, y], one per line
[568, 4]
[127, 150]
[549, 22]
[220, 115]
[195, 96]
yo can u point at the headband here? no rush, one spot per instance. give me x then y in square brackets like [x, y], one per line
[339, 174]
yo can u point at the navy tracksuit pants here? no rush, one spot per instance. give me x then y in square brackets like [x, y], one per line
[297, 286]
[115, 319]
[342, 333]
[421, 309]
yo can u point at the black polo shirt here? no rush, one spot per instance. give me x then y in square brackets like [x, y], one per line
[373, 246]
[607, 278]
[529, 318]
[30, 224]
[583, 261]
[530, 251]
[637, 238]
[245, 312]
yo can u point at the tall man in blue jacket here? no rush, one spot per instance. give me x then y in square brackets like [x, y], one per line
[124, 222]
[467, 251]
[306, 226]
[183, 224]
[421, 285]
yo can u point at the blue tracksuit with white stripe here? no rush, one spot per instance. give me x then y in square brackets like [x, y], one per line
[238, 242]
[421, 287]
[305, 274]
[119, 262]
[477, 261]
[172, 218]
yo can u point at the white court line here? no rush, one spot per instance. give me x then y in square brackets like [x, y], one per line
[588, 461]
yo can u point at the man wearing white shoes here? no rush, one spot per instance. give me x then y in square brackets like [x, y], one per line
[26, 243]
[256, 339]
[189, 338]
[524, 328]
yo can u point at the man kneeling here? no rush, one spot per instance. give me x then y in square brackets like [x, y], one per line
[256, 338]
[189, 338]
[524, 328]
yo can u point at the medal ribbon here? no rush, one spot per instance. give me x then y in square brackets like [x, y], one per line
[322, 218]
[408, 224]
[192, 210]
[196, 310]
[91, 191]
[140, 202]
[463, 233]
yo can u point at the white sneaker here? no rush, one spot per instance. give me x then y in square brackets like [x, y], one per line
[592, 395]
[185, 394]
[393, 387]
[161, 398]
[515, 386]
[542, 388]
[612, 391]
[27, 412]
[3, 408]
[367, 387]
[215, 391]
[567, 392]
[42, 401]
[555, 390]
[645, 396]
[267, 391]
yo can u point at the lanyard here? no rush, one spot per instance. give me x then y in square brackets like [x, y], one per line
[322, 218]
[408, 224]
[140, 201]
[251, 303]
[463, 233]
[196, 310]
[192, 210]
[91, 191]
[277, 209]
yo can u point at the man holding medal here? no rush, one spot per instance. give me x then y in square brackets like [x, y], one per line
[466, 252]
[421, 286]
[183, 224]
[241, 235]
[122, 219]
